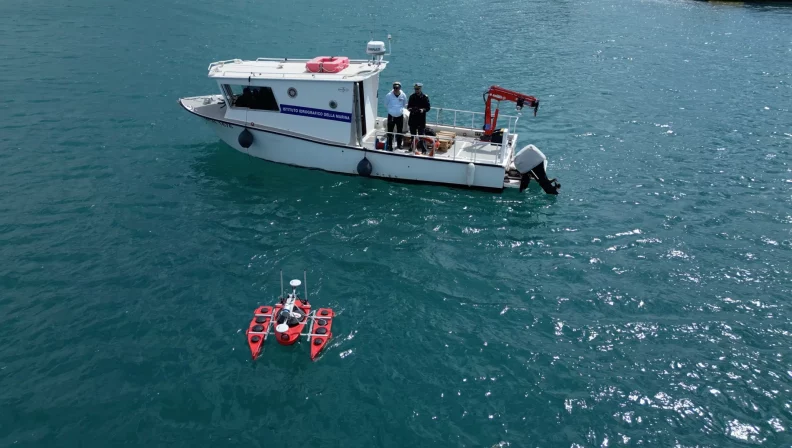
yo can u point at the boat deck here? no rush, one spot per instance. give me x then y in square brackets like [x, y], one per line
[466, 149]
[466, 145]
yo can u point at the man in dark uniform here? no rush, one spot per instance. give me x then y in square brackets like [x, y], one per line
[418, 105]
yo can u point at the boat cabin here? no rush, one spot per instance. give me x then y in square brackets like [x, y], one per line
[328, 98]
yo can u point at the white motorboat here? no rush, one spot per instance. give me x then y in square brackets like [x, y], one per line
[322, 114]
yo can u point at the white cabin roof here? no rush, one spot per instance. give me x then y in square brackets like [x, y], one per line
[270, 68]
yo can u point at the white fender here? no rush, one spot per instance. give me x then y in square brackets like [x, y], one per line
[528, 158]
[470, 173]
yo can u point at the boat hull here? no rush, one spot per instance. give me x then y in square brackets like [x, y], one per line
[296, 150]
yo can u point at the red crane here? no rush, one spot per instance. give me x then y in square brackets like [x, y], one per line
[500, 94]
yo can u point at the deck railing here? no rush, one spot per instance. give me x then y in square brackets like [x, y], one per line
[453, 149]
[222, 63]
[469, 119]
[413, 144]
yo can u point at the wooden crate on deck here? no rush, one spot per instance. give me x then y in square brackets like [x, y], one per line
[446, 140]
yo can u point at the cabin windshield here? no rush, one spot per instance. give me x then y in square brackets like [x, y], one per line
[251, 97]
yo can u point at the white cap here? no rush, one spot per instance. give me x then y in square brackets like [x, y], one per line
[282, 328]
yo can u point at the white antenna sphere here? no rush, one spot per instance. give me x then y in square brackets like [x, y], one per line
[375, 47]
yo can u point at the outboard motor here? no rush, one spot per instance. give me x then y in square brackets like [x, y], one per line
[531, 163]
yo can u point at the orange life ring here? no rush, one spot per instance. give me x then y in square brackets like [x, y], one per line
[327, 64]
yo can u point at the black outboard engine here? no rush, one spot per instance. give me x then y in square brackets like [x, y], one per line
[283, 316]
[530, 162]
[296, 316]
[292, 318]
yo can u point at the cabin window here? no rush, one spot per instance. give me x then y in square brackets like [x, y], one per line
[251, 97]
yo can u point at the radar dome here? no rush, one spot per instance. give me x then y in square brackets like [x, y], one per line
[375, 47]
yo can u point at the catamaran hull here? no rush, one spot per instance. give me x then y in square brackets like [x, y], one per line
[307, 153]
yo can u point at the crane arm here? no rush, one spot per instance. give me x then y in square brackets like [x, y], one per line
[498, 93]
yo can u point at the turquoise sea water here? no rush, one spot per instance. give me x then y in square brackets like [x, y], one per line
[647, 305]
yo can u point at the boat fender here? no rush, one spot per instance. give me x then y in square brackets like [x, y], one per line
[364, 167]
[245, 139]
[321, 330]
[255, 339]
[318, 341]
[470, 173]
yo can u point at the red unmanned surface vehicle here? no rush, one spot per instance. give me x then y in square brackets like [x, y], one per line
[288, 319]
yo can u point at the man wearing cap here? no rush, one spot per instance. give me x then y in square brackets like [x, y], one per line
[395, 101]
[418, 107]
